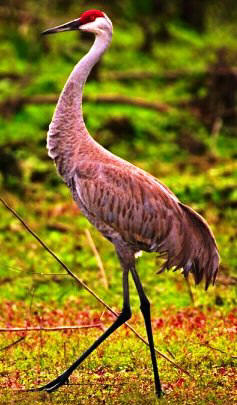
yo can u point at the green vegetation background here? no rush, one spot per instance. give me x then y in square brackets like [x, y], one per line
[172, 79]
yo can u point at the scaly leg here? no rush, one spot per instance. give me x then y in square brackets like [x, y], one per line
[145, 308]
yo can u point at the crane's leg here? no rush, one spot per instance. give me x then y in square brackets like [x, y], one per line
[122, 318]
[145, 308]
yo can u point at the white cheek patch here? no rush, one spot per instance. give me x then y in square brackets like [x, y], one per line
[93, 26]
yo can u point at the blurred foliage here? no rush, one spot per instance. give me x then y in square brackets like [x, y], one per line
[181, 54]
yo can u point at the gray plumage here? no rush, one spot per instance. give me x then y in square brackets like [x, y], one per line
[127, 205]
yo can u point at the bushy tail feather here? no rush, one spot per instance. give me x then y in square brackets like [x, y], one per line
[204, 260]
[198, 254]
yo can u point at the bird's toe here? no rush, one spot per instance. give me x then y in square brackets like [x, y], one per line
[52, 385]
[160, 393]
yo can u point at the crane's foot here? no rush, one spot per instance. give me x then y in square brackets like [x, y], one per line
[53, 385]
[160, 393]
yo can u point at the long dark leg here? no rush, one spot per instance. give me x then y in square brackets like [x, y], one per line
[145, 308]
[122, 318]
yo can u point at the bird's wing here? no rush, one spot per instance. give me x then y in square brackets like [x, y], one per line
[147, 215]
[130, 201]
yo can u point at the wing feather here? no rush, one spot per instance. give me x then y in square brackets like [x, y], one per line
[136, 207]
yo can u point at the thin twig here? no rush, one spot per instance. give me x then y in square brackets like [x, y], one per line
[139, 74]
[10, 75]
[98, 258]
[10, 105]
[211, 347]
[79, 281]
[74, 384]
[12, 344]
[170, 353]
[49, 274]
[136, 101]
[167, 75]
[51, 329]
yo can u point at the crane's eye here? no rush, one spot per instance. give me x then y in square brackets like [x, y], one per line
[92, 18]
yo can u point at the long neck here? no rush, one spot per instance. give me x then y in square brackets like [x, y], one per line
[83, 68]
[68, 136]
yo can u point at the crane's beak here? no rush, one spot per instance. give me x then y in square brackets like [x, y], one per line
[70, 26]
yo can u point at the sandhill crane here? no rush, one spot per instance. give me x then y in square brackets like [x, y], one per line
[130, 207]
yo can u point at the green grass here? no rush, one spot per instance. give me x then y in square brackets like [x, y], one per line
[120, 370]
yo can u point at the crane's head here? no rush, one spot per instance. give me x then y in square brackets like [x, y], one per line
[94, 21]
